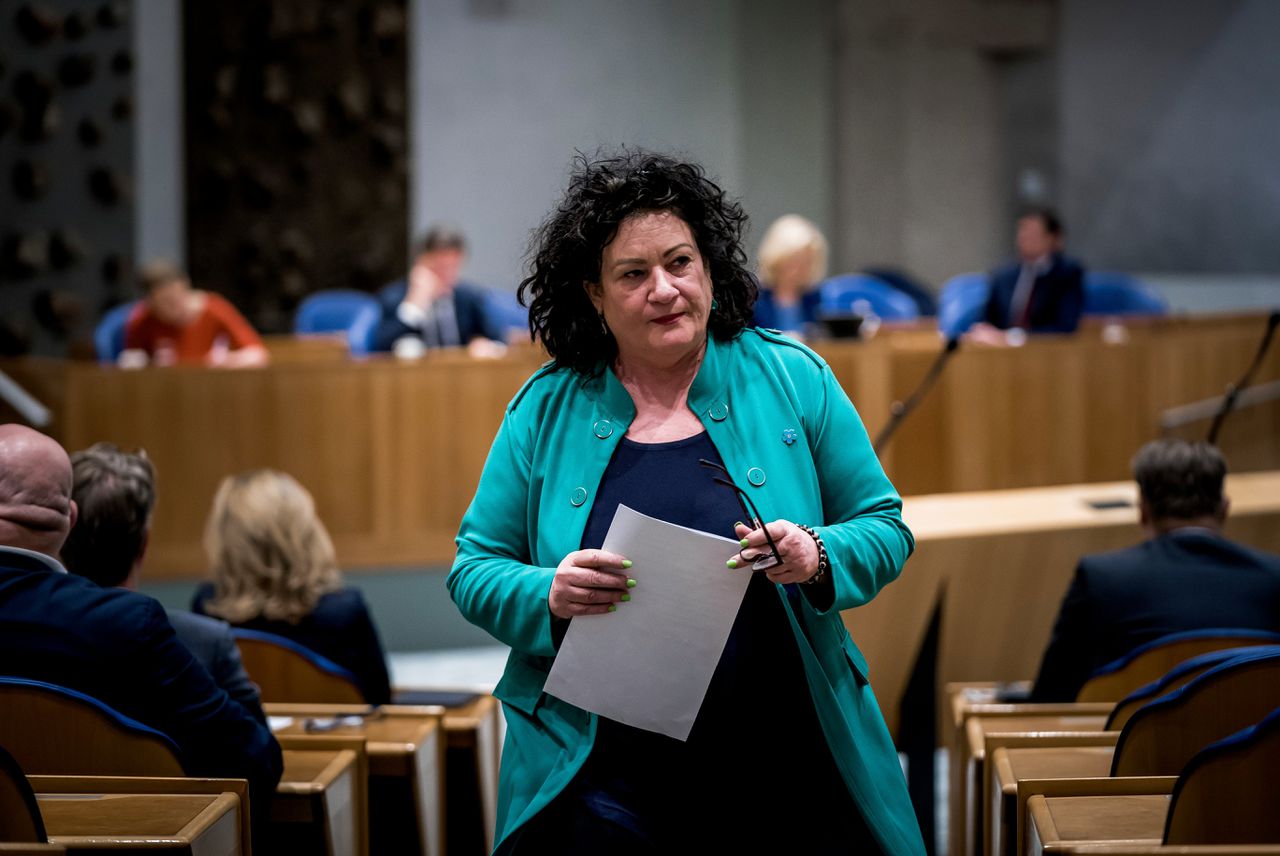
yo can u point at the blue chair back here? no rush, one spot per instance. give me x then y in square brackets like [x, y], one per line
[842, 294]
[1109, 293]
[73, 725]
[1164, 734]
[1179, 675]
[108, 336]
[1221, 794]
[288, 672]
[505, 309]
[340, 311]
[961, 302]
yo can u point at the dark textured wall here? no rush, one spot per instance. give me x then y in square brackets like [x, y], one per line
[66, 125]
[295, 149]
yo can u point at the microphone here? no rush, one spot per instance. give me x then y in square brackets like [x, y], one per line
[900, 410]
[1233, 391]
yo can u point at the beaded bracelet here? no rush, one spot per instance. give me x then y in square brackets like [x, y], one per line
[822, 555]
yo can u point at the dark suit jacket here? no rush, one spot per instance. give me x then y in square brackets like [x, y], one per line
[210, 640]
[339, 628]
[1189, 579]
[1056, 301]
[469, 308]
[119, 647]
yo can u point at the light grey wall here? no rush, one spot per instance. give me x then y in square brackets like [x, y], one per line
[1170, 113]
[159, 226]
[504, 92]
[787, 118]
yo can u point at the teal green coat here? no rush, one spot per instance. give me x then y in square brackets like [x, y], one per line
[531, 508]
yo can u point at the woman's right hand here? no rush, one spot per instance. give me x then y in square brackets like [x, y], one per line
[589, 582]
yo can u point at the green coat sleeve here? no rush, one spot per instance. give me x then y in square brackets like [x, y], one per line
[867, 542]
[493, 580]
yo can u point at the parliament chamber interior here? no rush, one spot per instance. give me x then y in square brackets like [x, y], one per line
[335, 337]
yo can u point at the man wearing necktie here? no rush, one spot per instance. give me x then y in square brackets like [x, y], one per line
[431, 308]
[1043, 291]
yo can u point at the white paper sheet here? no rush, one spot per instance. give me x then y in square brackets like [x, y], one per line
[649, 664]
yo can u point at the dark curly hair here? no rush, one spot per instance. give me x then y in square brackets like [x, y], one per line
[567, 250]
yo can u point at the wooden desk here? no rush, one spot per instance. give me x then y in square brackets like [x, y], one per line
[470, 766]
[195, 824]
[406, 770]
[317, 803]
[967, 821]
[1004, 559]
[392, 450]
[1059, 824]
[1010, 765]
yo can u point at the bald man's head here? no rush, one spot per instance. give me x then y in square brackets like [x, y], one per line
[36, 511]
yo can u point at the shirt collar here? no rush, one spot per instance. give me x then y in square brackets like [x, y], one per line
[46, 560]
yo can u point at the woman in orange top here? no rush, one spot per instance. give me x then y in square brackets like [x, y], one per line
[176, 323]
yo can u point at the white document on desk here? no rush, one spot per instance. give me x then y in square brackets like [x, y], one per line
[649, 664]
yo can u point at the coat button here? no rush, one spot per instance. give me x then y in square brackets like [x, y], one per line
[603, 428]
[755, 475]
[719, 411]
[578, 496]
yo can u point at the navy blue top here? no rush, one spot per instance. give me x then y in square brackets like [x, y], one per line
[757, 695]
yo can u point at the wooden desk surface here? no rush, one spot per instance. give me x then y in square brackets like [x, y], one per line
[1063, 762]
[312, 771]
[980, 727]
[128, 821]
[1131, 819]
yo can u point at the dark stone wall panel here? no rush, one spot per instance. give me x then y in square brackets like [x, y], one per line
[296, 151]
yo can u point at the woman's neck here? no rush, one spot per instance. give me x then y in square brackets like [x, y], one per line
[660, 394]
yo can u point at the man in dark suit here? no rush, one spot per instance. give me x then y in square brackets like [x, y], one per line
[114, 492]
[1187, 576]
[114, 645]
[1042, 292]
[431, 308]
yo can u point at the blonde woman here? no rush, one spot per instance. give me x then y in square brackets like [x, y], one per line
[274, 570]
[793, 260]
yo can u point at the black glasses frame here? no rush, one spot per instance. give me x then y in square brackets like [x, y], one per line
[753, 514]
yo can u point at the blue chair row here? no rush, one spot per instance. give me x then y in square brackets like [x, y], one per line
[354, 313]
[964, 297]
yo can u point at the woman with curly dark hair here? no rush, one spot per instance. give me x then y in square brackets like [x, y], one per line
[638, 289]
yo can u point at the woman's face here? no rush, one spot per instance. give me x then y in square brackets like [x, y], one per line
[654, 289]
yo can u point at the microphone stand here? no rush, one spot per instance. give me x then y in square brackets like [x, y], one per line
[23, 402]
[1233, 391]
[900, 410]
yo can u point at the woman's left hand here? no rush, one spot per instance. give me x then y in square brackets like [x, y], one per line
[796, 548]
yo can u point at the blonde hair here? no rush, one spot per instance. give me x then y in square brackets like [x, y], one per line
[786, 236]
[269, 552]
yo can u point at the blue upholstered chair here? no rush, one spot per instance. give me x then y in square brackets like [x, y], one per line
[1109, 293]
[288, 672]
[1226, 792]
[505, 308]
[340, 311]
[52, 730]
[1177, 677]
[844, 293]
[961, 302]
[1146, 663]
[1162, 736]
[108, 336]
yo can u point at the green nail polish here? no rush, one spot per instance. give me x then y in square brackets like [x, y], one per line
[626, 563]
[631, 583]
[733, 563]
[739, 523]
[744, 543]
[613, 607]
[625, 598]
